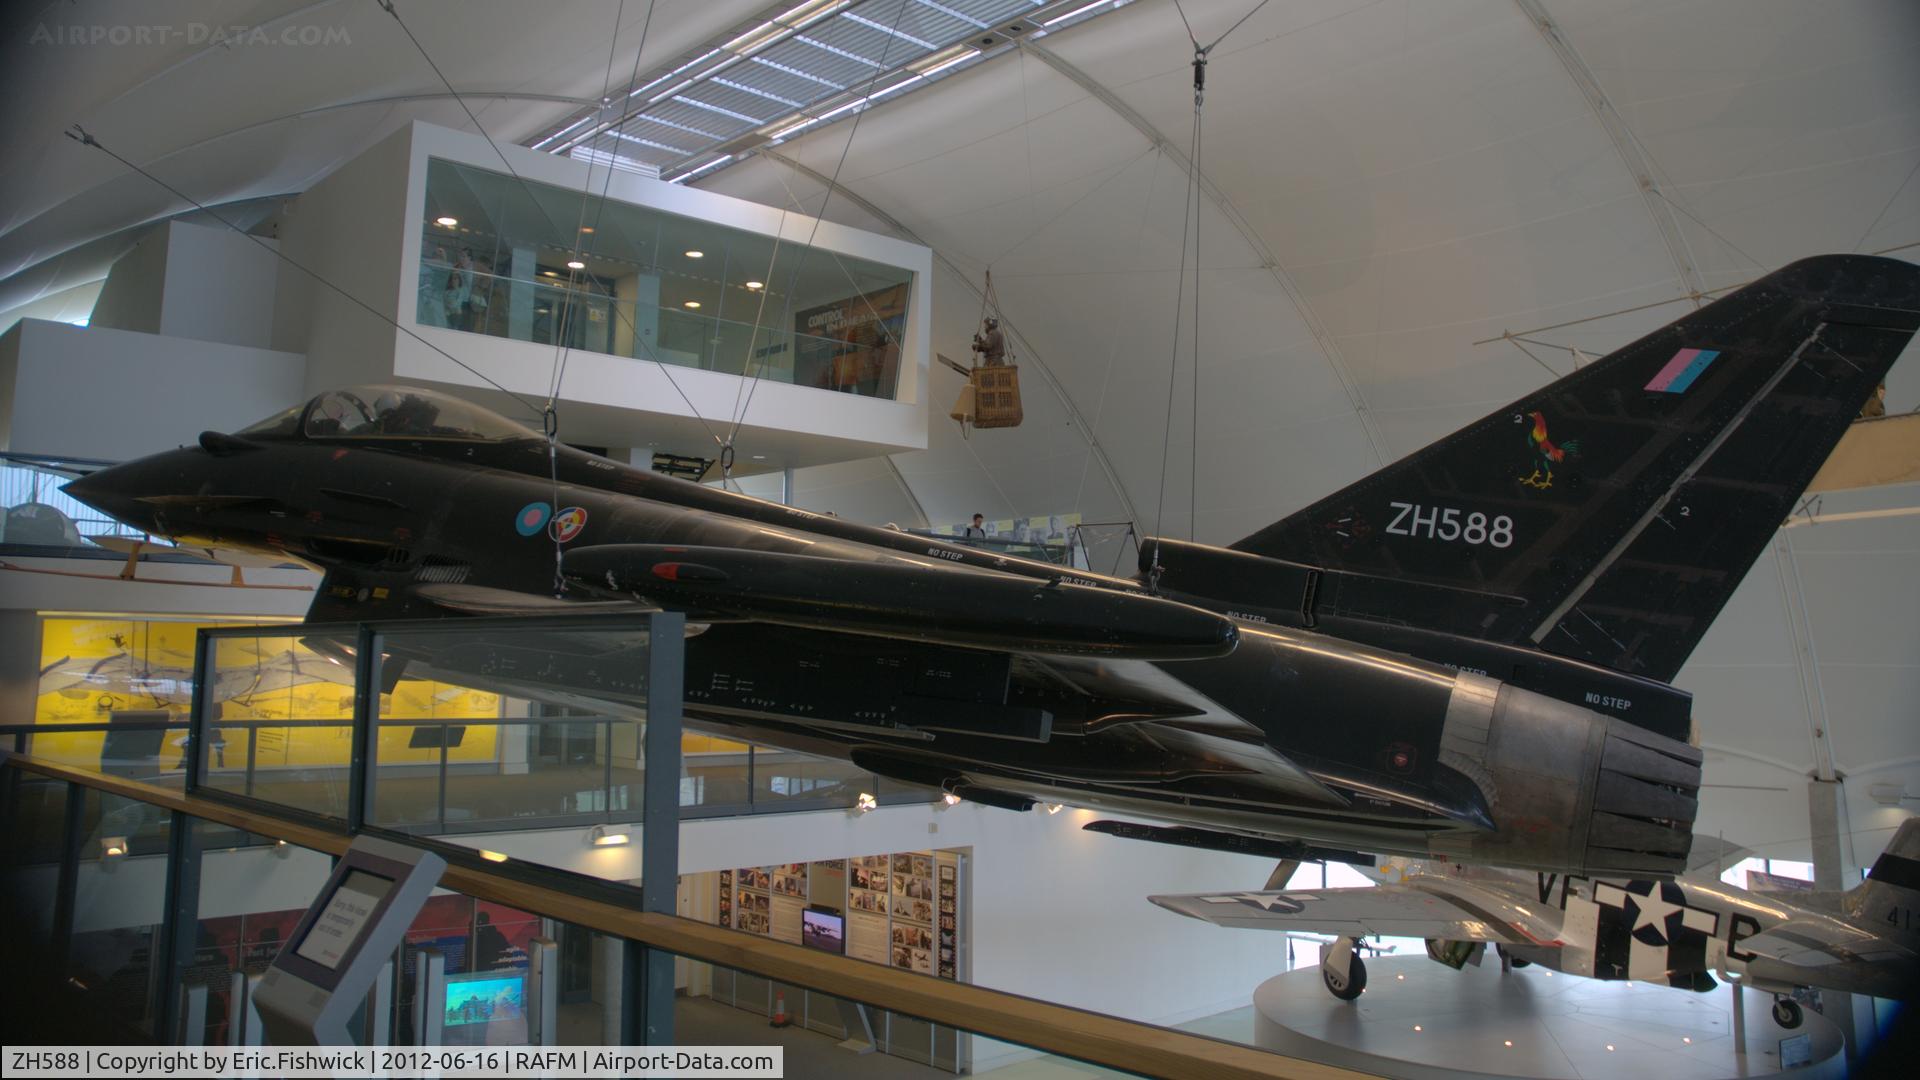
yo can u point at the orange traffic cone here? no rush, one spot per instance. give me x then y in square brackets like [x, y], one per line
[780, 1017]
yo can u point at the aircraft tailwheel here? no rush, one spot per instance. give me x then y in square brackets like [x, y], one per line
[1786, 1013]
[1349, 988]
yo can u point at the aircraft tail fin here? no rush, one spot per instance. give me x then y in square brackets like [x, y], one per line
[1609, 515]
[1890, 897]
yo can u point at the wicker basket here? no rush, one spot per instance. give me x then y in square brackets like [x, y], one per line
[996, 402]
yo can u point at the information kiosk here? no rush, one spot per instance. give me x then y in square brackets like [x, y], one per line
[323, 973]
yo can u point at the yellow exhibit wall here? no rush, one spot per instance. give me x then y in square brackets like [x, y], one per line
[92, 668]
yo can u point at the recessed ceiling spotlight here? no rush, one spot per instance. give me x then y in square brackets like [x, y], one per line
[576, 264]
[586, 228]
[759, 457]
[549, 273]
[696, 254]
[756, 284]
[691, 304]
[449, 222]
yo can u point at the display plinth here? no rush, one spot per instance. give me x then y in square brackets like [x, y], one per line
[1558, 1026]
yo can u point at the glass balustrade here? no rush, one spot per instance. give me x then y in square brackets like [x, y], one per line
[546, 312]
[541, 264]
[112, 962]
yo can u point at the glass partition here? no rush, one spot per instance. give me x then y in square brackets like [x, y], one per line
[485, 726]
[508, 728]
[113, 694]
[543, 264]
[117, 908]
[279, 717]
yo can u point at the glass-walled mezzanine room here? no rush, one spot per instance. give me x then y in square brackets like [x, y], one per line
[538, 263]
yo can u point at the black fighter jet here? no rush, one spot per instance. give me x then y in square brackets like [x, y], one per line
[1466, 655]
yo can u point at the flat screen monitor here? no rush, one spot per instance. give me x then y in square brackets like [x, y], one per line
[486, 1007]
[823, 930]
[344, 918]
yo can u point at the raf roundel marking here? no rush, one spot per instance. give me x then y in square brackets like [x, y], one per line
[567, 524]
[531, 518]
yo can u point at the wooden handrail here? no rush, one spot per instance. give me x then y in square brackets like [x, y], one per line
[1092, 1037]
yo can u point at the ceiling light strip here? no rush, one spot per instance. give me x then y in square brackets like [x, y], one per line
[649, 142]
[715, 163]
[745, 89]
[743, 117]
[888, 30]
[1076, 11]
[945, 10]
[807, 75]
[824, 47]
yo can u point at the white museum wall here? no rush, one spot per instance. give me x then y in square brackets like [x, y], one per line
[220, 285]
[68, 389]
[193, 281]
[346, 229]
[135, 286]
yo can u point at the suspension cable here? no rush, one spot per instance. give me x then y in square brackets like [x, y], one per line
[1191, 210]
[557, 377]
[388, 6]
[1193, 452]
[753, 384]
[1179, 301]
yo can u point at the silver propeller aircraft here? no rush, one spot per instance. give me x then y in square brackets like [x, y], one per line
[1681, 933]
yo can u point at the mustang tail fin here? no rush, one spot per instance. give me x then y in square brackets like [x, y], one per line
[1889, 900]
[1611, 514]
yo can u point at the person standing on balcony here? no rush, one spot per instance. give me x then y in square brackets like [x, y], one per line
[460, 291]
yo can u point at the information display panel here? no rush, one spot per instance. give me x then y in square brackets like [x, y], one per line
[344, 918]
[313, 985]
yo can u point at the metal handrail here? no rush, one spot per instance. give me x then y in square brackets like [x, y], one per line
[1096, 1038]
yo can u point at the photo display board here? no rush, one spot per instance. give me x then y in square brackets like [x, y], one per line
[901, 909]
[867, 907]
[911, 940]
[788, 892]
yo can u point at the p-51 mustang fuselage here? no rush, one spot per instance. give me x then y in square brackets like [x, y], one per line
[1682, 933]
[1427, 684]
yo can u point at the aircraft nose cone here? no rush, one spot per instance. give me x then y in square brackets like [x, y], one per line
[87, 489]
[109, 491]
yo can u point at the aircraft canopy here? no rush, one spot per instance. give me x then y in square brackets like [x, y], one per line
[390, 412]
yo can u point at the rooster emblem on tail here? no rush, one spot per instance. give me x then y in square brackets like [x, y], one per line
[1545, 454]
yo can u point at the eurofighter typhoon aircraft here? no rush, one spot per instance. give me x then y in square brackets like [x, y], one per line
[1465, 656]
[1675, 933]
